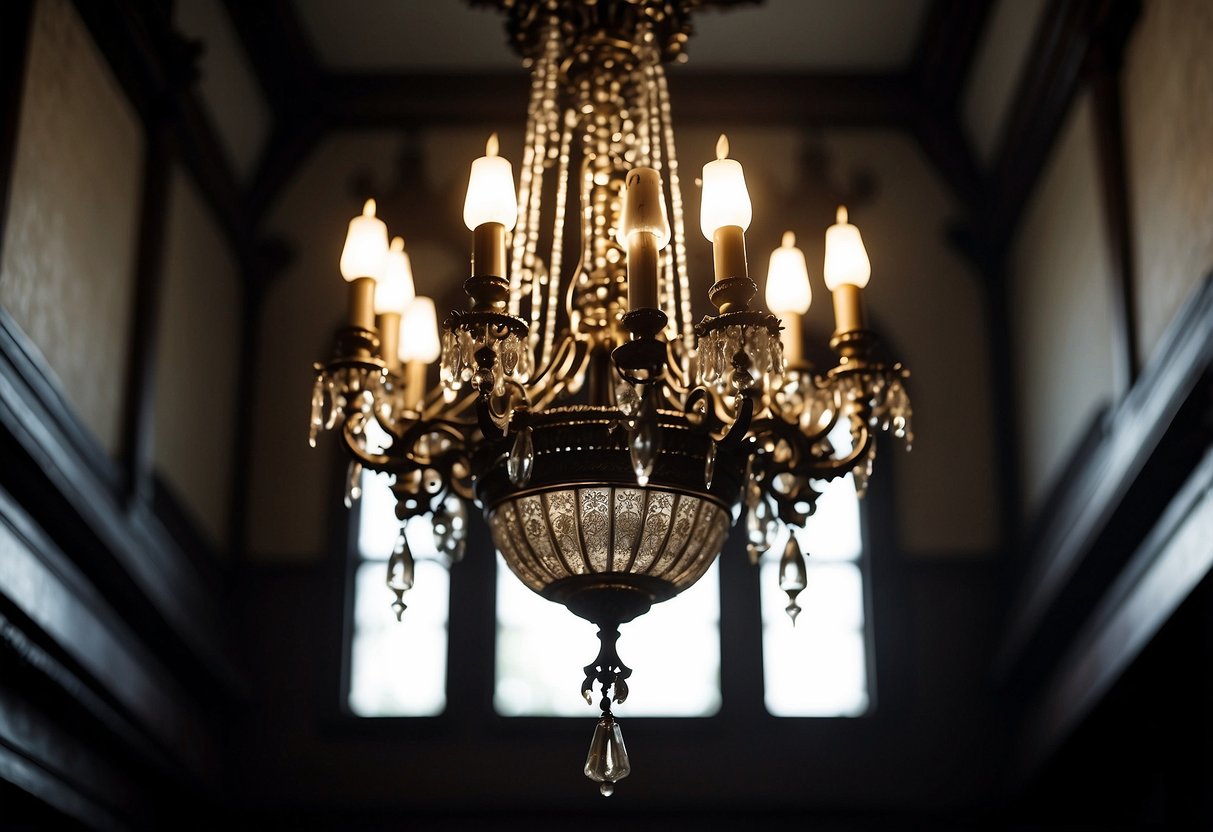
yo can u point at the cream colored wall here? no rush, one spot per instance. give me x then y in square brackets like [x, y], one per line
[69, 243]
[1060, 306]
[1168, 111]
[923, 297]
[197, 359]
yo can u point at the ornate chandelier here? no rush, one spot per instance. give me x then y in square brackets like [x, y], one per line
[609, 441]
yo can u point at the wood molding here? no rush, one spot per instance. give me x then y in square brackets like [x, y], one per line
[1174, 558]
[1117, 487]
[74, 489]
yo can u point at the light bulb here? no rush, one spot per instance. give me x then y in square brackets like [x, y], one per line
[726, 202]
[490, 195]
[788, 288]
[395, 290]
[366, 247]
[419, 332]
[846, 260]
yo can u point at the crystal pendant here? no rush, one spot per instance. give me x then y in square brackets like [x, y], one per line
[644, 450]
[316, 423]
[607, 763]
[792, 575]
[626, 399]
[521, 459]
[450, 529]
[758, 530]
[709, 466]
[353, 484]
[400, 573]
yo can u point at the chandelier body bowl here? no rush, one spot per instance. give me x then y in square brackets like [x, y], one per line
[609, 440]
[582, 531]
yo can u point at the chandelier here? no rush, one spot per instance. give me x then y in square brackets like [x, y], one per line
[609, 440]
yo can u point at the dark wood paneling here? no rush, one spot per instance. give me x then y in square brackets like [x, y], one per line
[72, 487]
[1117, 487]
[1173, 559]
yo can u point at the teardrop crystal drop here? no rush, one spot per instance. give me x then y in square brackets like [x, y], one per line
[608, 760]
[645, 440]
[709, 465]
[317, 417]
[400, 569]
[757, 527]
[793, 576]
[626, 399]
[522, 458]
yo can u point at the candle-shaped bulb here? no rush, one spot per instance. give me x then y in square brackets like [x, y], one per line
[490, 195]
[395, 290]
[366, 246]
[419, 332]
[644, 229]
[846, 260]
[726, 202]
[788, 287]
[644, 207]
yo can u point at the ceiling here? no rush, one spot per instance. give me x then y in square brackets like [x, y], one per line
[819, 36]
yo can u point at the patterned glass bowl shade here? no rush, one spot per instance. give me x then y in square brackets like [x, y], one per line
[609, 552]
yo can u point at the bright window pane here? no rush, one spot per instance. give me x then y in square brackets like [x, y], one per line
[398, 668]
[819, 666]
[673, 650]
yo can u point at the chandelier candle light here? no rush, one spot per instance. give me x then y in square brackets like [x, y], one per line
[609, 441]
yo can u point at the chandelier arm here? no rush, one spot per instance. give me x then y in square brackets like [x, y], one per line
[741, 425]
[350, 431]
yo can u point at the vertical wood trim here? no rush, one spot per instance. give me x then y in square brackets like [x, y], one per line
[1114, 191]
[742, 687]
[138, 430]
[16, 17]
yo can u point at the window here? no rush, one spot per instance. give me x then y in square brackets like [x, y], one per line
[397, 668]
[674, 651]
[818, 668]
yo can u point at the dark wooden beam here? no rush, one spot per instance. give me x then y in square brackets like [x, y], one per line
[15, 18]
[139, 411]
[945, 53]
[1054, 72]
[1104, 73]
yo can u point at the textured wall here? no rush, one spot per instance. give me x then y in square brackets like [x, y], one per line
[69, 244]
[1060, 307]
[919, 291]
[198, 346]
[1168, 87]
